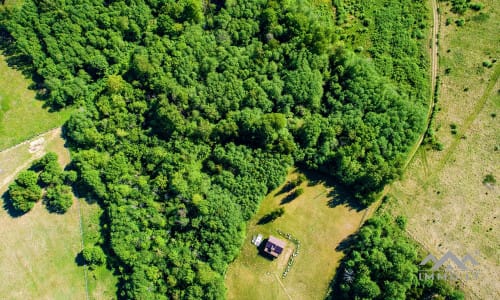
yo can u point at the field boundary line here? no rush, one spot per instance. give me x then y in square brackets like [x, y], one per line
[85, 271]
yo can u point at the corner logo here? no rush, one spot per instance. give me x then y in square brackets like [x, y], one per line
[449, 256]
[457, 268]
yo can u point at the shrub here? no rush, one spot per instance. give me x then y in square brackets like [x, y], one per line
[489, 179]
[94, 256]
[487, 64]
[59, 198]
[401, 221]
[24, 192]
[298, 192]
[476, 6]
[460, 22]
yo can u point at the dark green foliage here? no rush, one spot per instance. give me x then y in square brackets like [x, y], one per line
[489, 179]
[24, 192]
[298, 192]
[459, 6]
[94, 256]
[189, 112]
[58, 198]
[476, 6]
[382, 263]
[460, 22]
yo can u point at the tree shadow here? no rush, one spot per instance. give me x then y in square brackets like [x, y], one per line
[9, 207]
[265, 219]
[79, 259]
[339, 194]
[288, 198]
[345, 244]
[285, 189]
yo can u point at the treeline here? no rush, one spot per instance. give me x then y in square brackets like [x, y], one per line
[191, 111]
[383, 263]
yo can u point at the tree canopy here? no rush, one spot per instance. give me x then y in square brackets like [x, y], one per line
[189, 112]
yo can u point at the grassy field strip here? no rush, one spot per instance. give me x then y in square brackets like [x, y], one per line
[31, 139]
[477, 109]
[16, 158]
[39, 248]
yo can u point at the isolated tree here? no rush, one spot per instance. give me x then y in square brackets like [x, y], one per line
[94, 256]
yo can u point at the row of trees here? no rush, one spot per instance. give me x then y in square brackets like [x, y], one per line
[189, 112]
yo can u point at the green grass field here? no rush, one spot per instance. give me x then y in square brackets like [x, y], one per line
[442, 192]
[319, 224]
[21, 116]
[39, 249]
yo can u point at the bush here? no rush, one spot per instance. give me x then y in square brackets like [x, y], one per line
[460, 22]
[476, 6]
[24, 192]
[59, 198]
[94, 256]
[489, 179]
[487, 64]
[298, 192]
[401, 221]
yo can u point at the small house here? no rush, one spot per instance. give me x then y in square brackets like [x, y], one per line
[274, 246]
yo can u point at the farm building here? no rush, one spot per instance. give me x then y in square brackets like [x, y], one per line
[274, 246]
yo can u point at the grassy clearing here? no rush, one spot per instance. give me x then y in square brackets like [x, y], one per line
[21, 116]
[39, 249]
[318, 222]
[442, 193]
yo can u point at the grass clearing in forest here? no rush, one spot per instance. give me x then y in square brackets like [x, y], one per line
[21, 115]
[318, 222]
[39, 248]
[442, 193]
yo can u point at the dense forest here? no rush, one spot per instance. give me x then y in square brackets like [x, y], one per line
[189, 112]
[382, 263]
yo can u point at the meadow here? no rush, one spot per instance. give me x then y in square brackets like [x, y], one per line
[40, 248]
[320, 219]
[21, 115]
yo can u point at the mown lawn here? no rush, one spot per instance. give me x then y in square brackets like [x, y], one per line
[319, 221]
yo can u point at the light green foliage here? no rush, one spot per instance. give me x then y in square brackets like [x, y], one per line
[382, 263]
[189, 112]
[94, 256]
[24, 192]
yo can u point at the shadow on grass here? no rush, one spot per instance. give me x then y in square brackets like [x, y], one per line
[289, 198]
[23, 63]
[339, 194]
[285, 189]
[266, 219]
[9, 207]
[79, 259]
